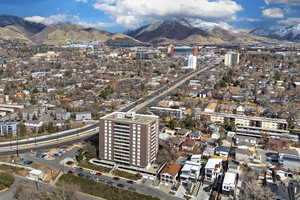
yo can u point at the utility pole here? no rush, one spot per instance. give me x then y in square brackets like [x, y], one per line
[17, 146]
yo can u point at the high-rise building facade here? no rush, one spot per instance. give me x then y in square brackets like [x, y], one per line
[129, 139]
[192, 62]
[196, 51]
[232, 59]
[171, 51]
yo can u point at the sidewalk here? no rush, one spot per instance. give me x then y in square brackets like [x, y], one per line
[180, 192]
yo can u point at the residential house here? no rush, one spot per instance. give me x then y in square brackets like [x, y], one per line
[169, 174]
[188, 145]
[213, 169]
[196, 158]
[222, 151]
[289, 159]
[229, 182]
[242, 155]
[8, 128]
[169, 131]
[30, 114]
[209, 150]
[81, 116]
[195, 135]
[183, 132]
[33, 124]
[245, 140]
[190, 172]
[62, 115]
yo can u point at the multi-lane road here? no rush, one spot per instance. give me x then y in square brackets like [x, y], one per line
[70, 136]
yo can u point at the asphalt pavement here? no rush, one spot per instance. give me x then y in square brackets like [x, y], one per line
[120, 183]
[21, 181]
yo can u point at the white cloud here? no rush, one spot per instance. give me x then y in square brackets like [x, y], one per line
[289, 21]
[273, 13]
[52, 19]
[131, 13]
[288, 2]
[246, 19]
[83, 1]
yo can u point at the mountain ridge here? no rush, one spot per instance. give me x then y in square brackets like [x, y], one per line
[189, 32]
[287, 32]
[13, 27]
[165, 32]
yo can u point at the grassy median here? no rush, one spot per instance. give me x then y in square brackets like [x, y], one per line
[101, 190]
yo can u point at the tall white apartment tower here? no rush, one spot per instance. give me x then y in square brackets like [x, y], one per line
[192, 62]
[232, 59]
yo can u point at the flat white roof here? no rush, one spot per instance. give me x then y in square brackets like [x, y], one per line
[191, 165]
[212, 162]
[229, 178]
[36, 172]
[198, 156]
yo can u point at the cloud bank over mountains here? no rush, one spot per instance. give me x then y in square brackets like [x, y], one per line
[132, 13]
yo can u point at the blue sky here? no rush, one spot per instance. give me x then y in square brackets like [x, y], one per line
[120, 15]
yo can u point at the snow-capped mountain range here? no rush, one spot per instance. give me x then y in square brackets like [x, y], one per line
[182, 30]
[290, 33]
[191, 31]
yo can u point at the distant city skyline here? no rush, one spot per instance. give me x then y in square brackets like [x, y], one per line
[121, 15]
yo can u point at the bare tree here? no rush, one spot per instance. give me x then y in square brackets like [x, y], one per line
[253, 190]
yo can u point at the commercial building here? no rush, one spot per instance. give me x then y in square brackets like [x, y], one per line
[181, 51]
[250, 125]
[232, 59]
[170, 112]
[129, 139]
[147, 54]
[8, 128]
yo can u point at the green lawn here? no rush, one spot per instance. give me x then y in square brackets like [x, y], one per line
[11, 169]
[6, 180]
[101, 190]
[86, 164]
[127, 175]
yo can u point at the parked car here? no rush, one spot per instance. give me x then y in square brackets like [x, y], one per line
[93, 172]
[62, 151]
[116, 178]
[25, 161]
[120, 185]
[71, 172]
[98, 174]
[56, 154]
[130, 182]
[110, 182]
